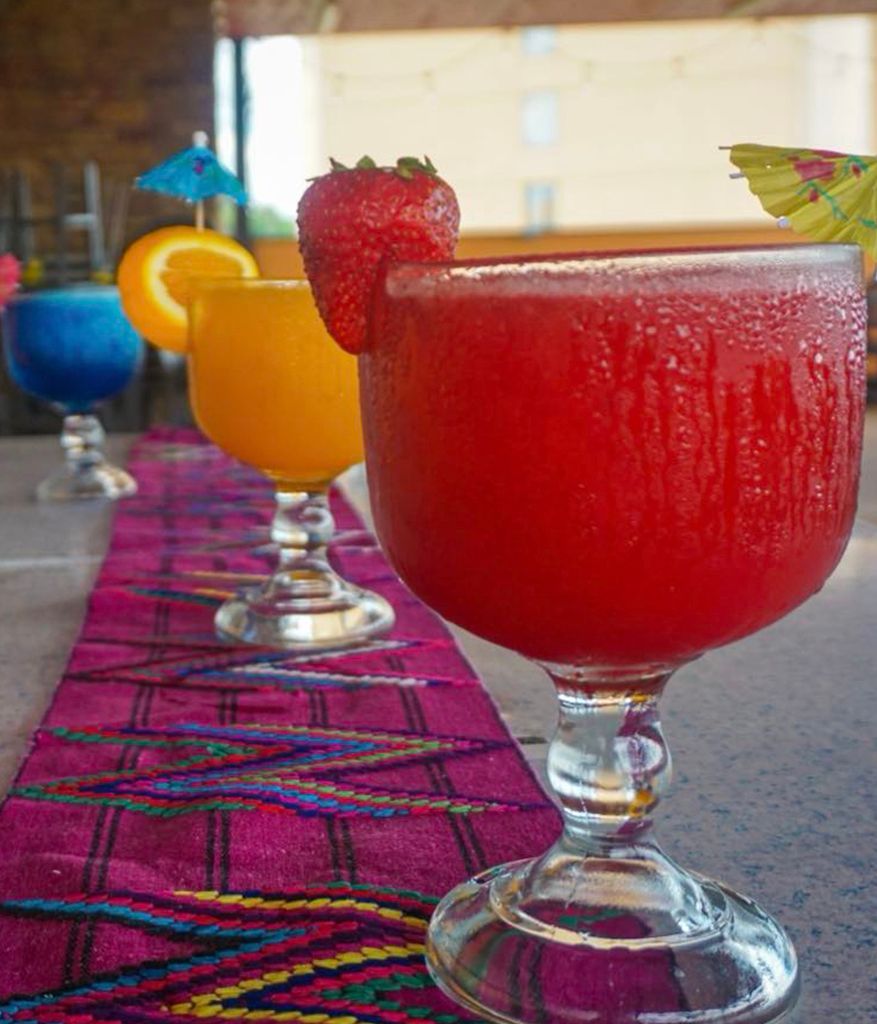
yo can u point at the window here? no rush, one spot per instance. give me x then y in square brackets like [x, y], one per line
[274, 156]
[538, 40]
[538, 207]
[539, 118]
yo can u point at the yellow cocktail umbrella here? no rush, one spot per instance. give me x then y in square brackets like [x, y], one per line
[827, 196]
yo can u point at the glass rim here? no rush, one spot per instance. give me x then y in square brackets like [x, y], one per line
[79, 289]
[789, 253]
[244, 283]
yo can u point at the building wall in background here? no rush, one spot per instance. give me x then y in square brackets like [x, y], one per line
[610, 126]
[124, 82]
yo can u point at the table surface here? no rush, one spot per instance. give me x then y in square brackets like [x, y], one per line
[773, 737]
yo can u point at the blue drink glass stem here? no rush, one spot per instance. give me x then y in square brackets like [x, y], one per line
[74, 347]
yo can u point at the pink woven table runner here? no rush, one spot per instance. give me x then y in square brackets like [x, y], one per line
[210, 831]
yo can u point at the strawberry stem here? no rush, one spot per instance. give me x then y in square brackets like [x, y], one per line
[405, 166]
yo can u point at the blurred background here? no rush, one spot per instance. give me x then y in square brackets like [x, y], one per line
[562, 124]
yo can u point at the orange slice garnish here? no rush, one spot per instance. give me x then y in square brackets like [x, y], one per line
[156, 272]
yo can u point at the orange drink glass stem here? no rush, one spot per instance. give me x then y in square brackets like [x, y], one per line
[271, 388]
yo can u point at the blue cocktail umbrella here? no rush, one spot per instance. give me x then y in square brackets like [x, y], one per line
[193, 174]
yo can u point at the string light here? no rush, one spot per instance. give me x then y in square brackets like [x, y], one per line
[590, 69]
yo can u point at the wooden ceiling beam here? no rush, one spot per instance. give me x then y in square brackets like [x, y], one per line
[239, 18]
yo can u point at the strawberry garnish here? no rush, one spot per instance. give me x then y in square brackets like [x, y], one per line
[352, 219]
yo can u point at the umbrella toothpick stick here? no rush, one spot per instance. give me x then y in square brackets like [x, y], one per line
[200, 140]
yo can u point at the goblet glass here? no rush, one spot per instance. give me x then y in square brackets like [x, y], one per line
[270, 387]
[73, 347]
[612, 464]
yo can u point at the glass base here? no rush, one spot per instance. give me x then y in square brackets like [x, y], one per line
[77, 483]
[309, 614]
[603, 940]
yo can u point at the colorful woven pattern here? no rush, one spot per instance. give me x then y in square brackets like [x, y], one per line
[257, 768]
[209, 831]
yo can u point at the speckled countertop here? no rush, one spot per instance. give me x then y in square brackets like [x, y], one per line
[774, 738]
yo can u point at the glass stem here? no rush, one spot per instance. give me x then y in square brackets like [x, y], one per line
[609, 766]
[301, 528]
[305, 605]
[82, 439]
[604, 927]
[608, 762]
